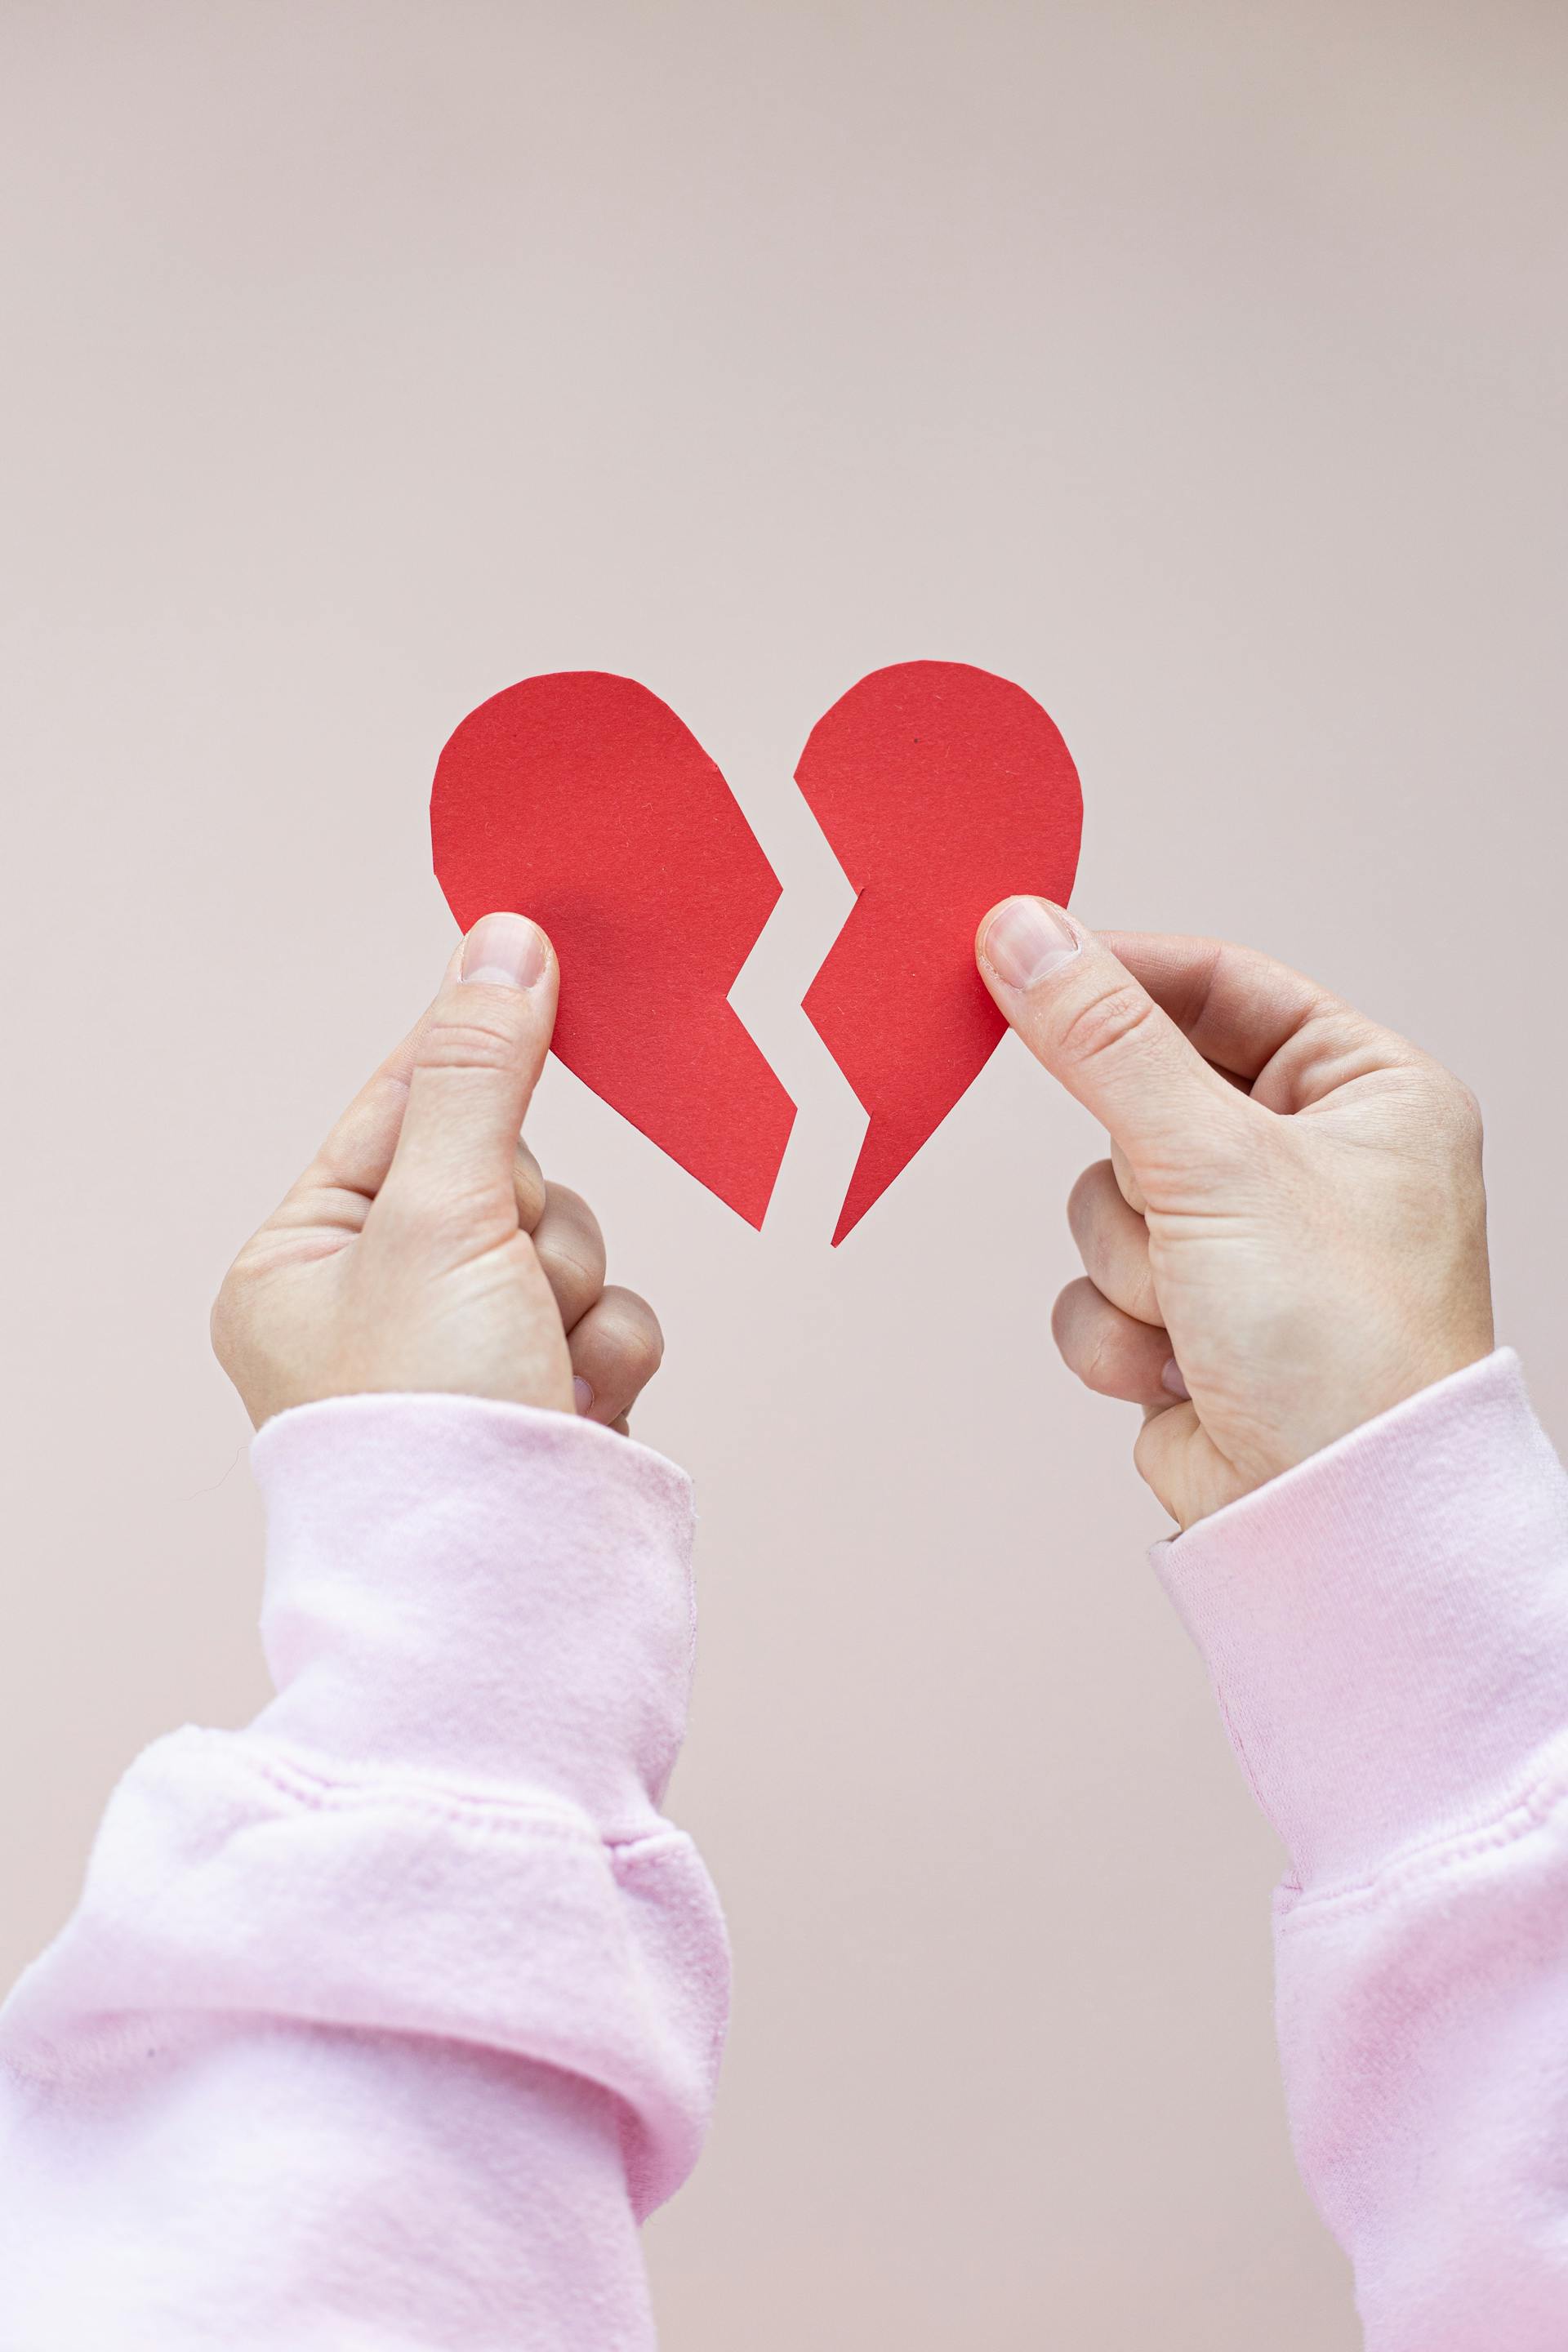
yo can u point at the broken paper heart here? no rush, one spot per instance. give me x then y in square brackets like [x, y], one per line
[581, 798]
[942, 789]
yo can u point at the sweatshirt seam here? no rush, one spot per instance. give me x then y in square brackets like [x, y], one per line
[1238, 1748]
[1519, 1818]
[307, 1789]
[528, 1431]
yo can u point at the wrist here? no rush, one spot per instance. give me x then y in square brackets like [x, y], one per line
[1384, 1622]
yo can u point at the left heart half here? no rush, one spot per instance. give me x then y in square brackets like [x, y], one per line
[580, 799]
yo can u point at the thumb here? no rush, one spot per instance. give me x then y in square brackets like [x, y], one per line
[1095, 1027]
[476, 1062]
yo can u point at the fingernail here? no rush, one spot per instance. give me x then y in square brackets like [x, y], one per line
[1026, 939]
[582, 1391]
[1171, 1379]
[505, 952]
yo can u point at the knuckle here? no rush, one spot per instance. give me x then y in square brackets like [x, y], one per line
[1093, 1369]
[480, 1037]
[530, 1196]
[1087, 1198]
[460, 1214]
[1127, 1183]
[575, 1281]
[230, 1321]
[1465, 1117]
[221, 1325]
[639, 1341]
[642, 1356]
[1068, 1320]
[1106, 1022]
[571, 1212]
[1448, 1111]
[1148, 1448]
[1105, 1364]
[571, 1246]
[528, 1185]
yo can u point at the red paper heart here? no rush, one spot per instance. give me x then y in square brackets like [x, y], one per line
[941, 789]
[581, 798]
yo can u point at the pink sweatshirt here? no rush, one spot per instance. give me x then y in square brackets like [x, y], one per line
[382, 2024]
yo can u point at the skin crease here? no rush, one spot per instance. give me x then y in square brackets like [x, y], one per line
[1292, 1211]
[422, 1250]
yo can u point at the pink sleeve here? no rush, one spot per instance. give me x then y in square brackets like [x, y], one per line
[383, 2021]
[1387, 1630]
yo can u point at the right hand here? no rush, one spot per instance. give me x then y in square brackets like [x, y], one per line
[1289, 1235]
[422, 1250]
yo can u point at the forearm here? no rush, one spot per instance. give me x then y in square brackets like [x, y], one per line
[1387, 1628]
[390, 2017]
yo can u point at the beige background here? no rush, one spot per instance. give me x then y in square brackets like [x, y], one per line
[1199, 366]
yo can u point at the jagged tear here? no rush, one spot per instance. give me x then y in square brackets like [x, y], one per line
[580, 799]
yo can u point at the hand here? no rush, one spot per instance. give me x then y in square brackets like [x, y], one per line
[1289, 1235]
[422, 1249]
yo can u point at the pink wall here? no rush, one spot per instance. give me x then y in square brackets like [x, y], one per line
[1201, 368]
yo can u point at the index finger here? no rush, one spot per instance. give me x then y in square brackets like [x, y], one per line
[1242, 1011]
[1238, 1007]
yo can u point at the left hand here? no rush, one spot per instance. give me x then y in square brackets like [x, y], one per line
[1289, 1237]
[422, 1250]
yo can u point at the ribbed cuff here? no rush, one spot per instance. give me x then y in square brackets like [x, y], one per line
[1387, 1625]
[483, 1590]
